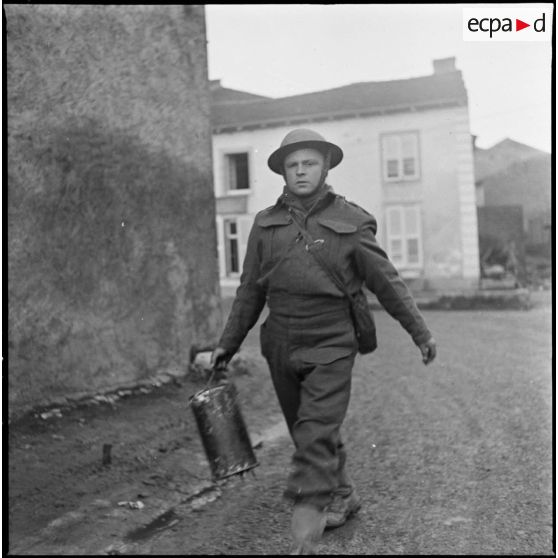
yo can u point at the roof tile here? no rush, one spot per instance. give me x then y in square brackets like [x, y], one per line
[366, 97]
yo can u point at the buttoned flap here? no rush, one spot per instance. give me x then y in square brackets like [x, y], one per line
[340, 227]
[274, 220]
[322, 355]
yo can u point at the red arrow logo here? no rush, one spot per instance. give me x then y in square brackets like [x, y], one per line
[519, 25]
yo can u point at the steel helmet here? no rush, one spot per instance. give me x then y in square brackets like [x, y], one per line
[303, 138]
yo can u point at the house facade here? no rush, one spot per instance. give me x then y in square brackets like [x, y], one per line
[408, 160]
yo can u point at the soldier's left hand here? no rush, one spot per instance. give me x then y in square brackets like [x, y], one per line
[428, 350]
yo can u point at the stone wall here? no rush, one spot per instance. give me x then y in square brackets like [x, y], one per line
[501, 231]
[111, 238]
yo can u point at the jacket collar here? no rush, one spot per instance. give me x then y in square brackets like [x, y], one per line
[278, 214]
[288, 201]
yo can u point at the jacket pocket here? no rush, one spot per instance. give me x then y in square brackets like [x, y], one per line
[339, 227]
[276, 234]
[323, 355]
[339, 238]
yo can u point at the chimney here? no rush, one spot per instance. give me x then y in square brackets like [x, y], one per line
[214, 84]
[444, 65]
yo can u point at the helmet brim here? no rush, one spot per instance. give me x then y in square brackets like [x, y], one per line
[275, 160]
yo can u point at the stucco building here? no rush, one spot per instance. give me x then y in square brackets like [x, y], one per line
[408, 160]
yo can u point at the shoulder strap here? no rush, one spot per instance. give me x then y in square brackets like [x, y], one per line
[310, 247]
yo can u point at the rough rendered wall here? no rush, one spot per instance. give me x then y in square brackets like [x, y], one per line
[111, 237]
[525, 182]
[499, 225]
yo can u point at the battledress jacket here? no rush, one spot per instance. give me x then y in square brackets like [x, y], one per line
[276, 265]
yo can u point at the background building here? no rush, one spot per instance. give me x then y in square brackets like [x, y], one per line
[408, 160]
[513, 183]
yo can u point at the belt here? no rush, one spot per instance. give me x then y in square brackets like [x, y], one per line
[287, 305]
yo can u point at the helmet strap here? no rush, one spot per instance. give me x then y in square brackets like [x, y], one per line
[327, 162]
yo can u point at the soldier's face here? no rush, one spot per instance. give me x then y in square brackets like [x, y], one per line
[303, 171]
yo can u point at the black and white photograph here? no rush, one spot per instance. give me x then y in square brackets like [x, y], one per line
[279, 278]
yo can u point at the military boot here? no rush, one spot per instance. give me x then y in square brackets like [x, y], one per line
[341, 508]
[307, 526]
[345, 502]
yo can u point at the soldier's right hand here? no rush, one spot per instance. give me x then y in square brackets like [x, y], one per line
[428, 350]
[219, 358]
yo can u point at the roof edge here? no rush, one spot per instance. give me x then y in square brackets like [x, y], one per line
[337, 115]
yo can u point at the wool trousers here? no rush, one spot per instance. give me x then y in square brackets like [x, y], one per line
[310, 349]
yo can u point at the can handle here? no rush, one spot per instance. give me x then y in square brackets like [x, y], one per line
[212, 375]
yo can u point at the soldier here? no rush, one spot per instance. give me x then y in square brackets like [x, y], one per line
[308, 338]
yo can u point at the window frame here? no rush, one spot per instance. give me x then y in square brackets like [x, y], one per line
[227, 237]
[404, 237]
[244, 223]
[227, 158]
[399, 137]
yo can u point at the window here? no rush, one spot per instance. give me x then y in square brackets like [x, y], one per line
[237, 171]
[232, 263]
[400, 157]
[232, 244]
[404, 245]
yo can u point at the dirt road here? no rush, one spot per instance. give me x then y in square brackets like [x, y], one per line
[453, 458]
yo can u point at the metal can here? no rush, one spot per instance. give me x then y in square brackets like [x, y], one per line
[222, 430]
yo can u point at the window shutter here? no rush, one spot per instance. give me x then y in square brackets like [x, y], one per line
[409, 166]
[395, 234]
[404, 235]
[413, 234]
[411, 221]
[400, 156]
[391, 155]
[231, 164]
[413, 256]
[409, 153]
[392, 168]
[394, 221]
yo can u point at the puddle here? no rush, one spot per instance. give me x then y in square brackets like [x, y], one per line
[160, 523]
[272, 434]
